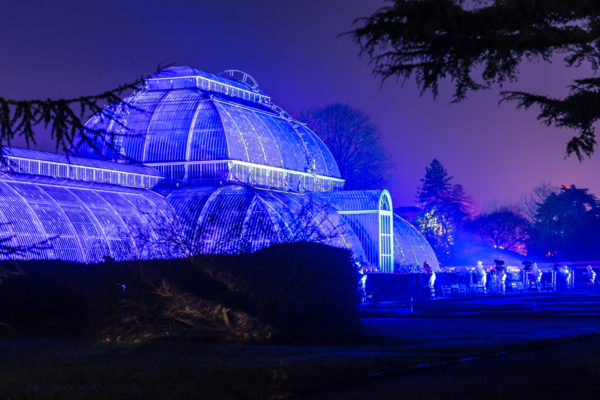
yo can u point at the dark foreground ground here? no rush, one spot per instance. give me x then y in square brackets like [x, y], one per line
[517, 352]
[564, 371]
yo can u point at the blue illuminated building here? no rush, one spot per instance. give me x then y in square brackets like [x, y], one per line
[196, 163]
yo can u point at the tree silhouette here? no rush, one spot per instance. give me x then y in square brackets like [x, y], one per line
[504, 229]
[567, 225]
[445, 207]
[433, 40]
[354, 141]
[437, 190]
[63, 118]
[530, 203]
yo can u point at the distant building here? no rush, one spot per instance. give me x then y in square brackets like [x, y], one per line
[209, 156]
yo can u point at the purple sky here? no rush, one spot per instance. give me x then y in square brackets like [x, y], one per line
[70, 48]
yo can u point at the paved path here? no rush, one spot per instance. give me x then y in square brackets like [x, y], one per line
[574, 303]
[565, 371]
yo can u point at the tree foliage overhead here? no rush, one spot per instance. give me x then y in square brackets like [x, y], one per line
[477, 44]
[354, 141]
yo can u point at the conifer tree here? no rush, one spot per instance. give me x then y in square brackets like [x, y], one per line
[437, 190]
[481, 43]
[445, 206]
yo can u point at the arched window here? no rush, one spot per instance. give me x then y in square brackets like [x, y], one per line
[386, 233]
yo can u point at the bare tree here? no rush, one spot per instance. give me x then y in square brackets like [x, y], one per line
[354, 141]
[172, 236]
[504, 229]
[529, 204]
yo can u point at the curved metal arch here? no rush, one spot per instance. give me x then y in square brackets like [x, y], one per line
[240, 76]
[386, 232]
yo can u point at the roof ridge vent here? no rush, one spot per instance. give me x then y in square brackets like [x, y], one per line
[237, 85]
[240, 76]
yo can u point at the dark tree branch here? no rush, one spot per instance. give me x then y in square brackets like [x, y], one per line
[8, 248]
[64, 118]
[435, 40]
[579, 110]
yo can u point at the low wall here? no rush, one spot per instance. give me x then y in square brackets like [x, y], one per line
[403, 286]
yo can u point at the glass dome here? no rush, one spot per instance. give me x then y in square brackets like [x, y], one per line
[202, 161]
[193, 126]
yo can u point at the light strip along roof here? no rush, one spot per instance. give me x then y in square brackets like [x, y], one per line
[36, 155]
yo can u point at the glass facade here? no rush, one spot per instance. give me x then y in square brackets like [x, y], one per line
[389, 242]
[203, 128]
[193, 163]
[65, 219]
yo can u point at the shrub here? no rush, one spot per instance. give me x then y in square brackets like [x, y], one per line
[299, 289]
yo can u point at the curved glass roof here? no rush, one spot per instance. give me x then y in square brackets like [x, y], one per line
[410, 247]
[360, 207]
[80, 221]
[189, 117]
[251, 175]
[257, 218]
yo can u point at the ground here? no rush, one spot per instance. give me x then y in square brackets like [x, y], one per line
[476, 346]
[569, 370]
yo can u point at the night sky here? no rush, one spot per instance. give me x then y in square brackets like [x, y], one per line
[71, 48]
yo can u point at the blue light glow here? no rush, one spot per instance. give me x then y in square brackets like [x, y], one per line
[198, 163]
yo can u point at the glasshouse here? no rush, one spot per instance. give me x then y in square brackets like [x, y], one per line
[195, 163]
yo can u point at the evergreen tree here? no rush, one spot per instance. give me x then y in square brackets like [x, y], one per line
[567, 226]
[445, 206]
[435, 186]
[437, 190]
[481, 43]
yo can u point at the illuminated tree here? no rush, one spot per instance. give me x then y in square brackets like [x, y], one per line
[437, 190]
[354, 141]
[445, 207]
[438, 231]
[434, 40]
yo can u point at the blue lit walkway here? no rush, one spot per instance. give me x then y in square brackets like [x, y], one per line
[485, 347]
[571, 303]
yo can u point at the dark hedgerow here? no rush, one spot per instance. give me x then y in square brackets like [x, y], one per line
[289, 290]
